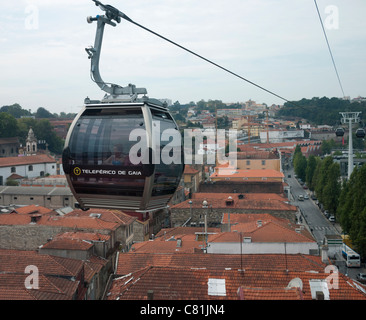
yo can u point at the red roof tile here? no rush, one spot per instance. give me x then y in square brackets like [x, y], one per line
[132, 261]
[241, 173]
[169, 283]
[248, 202]
[31, 209]
[67, 244]
[26, 160]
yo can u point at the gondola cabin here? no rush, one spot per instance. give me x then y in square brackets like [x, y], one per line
[339, 132]
[123, 155]
[360, 133]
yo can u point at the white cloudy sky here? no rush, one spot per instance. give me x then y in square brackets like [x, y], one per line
[277, 44]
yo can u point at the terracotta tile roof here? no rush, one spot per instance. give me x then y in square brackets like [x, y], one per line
[189, 170]
[62, 221]
[31, 209]
[247, 293]
[56, 276]
[15, 261]
[50, 288]
[133, 261]
[115, 216]
[263, 228]
[268, 232]
[249, 202]
[248, 217]
[189, 244]
[252, 173]
[170, 283]
[26, 160]
[67, 244]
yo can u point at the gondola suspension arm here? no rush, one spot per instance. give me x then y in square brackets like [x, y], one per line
[94, 52]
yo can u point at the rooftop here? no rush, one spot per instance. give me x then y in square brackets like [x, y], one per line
[26, 160]
[183, 283]
[246, 201]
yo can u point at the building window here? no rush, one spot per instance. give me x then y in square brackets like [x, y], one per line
[263, 162]
[31, 198]
[30, 168]
[248, 162]
[13, 170]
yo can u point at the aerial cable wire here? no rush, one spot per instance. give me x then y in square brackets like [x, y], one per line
[330, 51]
[116, 15]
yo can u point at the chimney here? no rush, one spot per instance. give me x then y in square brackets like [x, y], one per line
[319, 295]
[150, 294]
[324, 254]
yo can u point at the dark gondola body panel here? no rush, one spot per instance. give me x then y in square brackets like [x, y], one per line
[116, 156]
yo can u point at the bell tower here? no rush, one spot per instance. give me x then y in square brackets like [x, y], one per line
[31, 143]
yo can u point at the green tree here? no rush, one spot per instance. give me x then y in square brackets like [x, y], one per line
[300, 163]
[15, 110]
[43, 113]
[8, 125]
[352, 208]
[332, 188]
[310, 169]
[322, 177]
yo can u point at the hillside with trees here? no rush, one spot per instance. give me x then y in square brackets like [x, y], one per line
[16, 121]
[321, 110]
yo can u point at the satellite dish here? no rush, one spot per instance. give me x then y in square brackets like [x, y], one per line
[295, 283]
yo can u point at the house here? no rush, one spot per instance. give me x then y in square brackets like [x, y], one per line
[28, 232]
[27, 166]
[9, 147]
[192, 178]
[265, 234]
[49, 197]
[259, 160]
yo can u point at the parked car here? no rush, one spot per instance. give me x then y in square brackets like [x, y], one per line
[305, 186]
[332, 218]
[313, 197]
[361, 277]
[306, 197]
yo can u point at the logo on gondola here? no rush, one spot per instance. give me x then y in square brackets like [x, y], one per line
[77, 171]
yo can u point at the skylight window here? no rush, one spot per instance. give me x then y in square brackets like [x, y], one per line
[216, 287]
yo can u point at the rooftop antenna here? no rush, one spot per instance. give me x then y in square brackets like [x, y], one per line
[111, 14]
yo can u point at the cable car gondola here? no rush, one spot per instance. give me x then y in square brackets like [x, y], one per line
[123, 152]
[360, 133]
[339, 132]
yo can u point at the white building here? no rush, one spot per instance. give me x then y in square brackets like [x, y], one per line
[27, 167]
[281, 136]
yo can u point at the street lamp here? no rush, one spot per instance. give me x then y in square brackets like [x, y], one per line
[190, 208]
[205, 206]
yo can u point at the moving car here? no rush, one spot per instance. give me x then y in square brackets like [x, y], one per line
[361, 277]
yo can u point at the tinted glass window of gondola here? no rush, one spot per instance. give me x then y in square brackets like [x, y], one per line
[99, 149]
[170, 165]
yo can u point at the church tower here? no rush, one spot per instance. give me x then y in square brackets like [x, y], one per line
[31, 143]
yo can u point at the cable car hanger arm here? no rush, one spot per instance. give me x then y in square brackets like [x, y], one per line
[94, 52]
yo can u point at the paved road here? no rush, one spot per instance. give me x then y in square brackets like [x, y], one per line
[318, 224]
